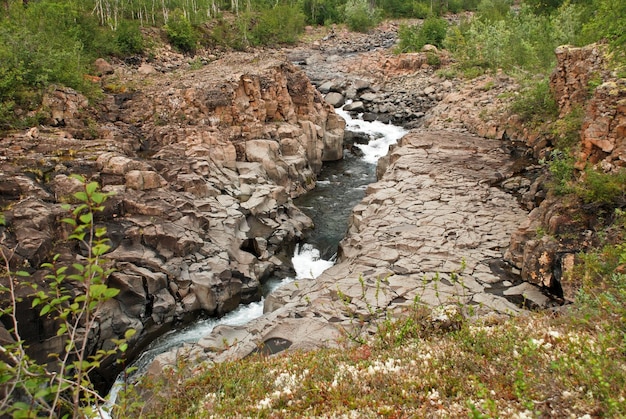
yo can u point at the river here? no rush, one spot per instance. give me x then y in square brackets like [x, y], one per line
[340, 187]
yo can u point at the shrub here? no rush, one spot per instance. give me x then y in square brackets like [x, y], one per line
[413, 38]
[279, 24]
[129, 39]
[492, 10]
[602, 189]
[180, 32]
[536, 104]
[562, 171]
[360, 16]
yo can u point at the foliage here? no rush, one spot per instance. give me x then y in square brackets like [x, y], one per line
[608, 22]
[32, 389]
[536, 103]
[413, 38]
[493, 10]
[323, 12]
[602, 189]
[566, 130]
[561, 168]
[129, 39]
[180, 32]
[279, 24]
[520, 41]
[360, 16]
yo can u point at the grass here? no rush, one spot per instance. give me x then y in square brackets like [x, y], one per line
[570, 364]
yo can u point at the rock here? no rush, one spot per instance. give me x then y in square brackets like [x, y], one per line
[202, 210]
[335, 99]
[146, 69]
[103, 67]
[356, 106]
[143, 180]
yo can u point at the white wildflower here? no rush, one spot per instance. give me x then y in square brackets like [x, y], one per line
[266, 403]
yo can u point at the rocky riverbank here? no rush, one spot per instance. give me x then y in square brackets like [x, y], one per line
[203, 165]
[434, 229]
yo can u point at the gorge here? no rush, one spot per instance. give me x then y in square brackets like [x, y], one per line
[207, 166]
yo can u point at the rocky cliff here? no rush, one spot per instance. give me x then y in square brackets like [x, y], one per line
[546, 245]
[203, 165]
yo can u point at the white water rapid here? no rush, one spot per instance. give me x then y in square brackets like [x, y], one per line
[383, 135]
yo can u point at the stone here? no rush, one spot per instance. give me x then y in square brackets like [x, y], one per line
[146, 69]
[103, 67]
[335, 99]
[356, 106]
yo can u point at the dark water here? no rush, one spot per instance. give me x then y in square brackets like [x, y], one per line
[340, 187]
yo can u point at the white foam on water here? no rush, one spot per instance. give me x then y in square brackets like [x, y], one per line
[308, 263]
[384, 135]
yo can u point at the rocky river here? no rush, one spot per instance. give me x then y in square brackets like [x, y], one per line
[207, 165]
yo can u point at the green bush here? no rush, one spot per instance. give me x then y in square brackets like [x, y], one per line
[493, 10]
[536, 104]
[322, 12]
[561, 167]
[413, 38]
[360, 17]
[603, 189]
[180, 32]
[279, 24]
[129, 39]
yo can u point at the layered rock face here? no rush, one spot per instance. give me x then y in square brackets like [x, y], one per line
[203, 166]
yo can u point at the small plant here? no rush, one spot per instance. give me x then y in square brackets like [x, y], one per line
[536, 104]
[413, 38]
[31, 389]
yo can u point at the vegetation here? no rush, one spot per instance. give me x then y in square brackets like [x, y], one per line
[62, 386]
[531, 366]
[413, 38]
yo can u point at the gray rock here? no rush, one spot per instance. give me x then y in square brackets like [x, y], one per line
[335, 99]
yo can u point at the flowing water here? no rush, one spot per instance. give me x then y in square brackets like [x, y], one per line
[340, 186]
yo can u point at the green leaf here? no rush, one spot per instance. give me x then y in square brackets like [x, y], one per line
[123, 347]
[78, 267]
[78, 177]
[69, 221]
[130, 333]
[80, 209]
[45, 310]
[86, 218]
[81, 196]
[98, 197]
[3, 221]
[111, 292]
[100, 249]
[91, 187]
[22, 273]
